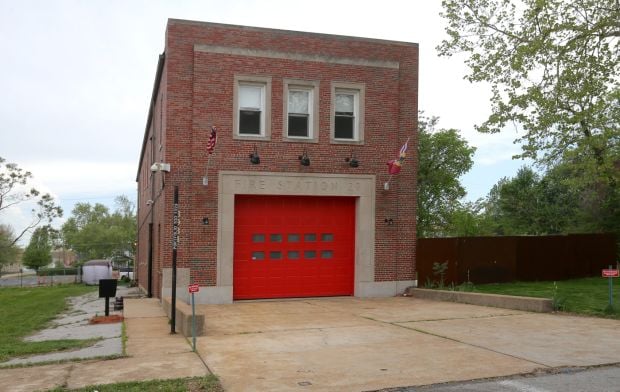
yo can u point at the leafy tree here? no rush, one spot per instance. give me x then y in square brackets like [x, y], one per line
[38, 253]
[13, 181]
[443, 156]
[553, 67]
[94, 233]
[535, 204]
[8, 250]
[468, 220]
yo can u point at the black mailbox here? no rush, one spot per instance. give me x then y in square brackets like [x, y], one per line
[107, 288]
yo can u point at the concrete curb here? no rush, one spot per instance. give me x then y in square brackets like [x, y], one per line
[529, 304]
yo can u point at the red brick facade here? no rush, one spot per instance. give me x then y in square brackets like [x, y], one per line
[194, 90]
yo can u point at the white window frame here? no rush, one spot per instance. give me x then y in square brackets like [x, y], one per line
[265, 123]
[358, 90]
[313, 110]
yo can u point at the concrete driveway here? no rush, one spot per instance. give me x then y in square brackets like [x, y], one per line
[352, 344]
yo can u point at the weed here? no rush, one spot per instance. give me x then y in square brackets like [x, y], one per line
[439, 269]
[557, 301]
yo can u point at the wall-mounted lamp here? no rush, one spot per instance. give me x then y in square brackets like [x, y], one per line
[160, 166]
[304, 159]
[254, 158]
[352, 160]
[389, 221]
[149, 202]
[205, 221]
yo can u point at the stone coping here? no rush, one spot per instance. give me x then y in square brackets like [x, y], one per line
[529, 304]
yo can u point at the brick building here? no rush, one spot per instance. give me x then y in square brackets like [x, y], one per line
[292, 202]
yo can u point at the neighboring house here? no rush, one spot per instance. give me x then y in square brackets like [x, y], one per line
[63, 257]
[280, 208]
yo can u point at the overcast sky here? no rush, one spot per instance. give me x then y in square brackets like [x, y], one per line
[76, 80]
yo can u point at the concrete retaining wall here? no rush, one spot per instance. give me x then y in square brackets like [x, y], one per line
[529, 304]
[184, 317]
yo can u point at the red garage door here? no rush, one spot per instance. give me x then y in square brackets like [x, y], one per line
[293, 246]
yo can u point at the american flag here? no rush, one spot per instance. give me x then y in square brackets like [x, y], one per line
[212, 140]
[403, 149]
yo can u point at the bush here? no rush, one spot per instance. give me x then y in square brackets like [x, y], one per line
[57, 271]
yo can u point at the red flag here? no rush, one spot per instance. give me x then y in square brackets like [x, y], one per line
[212, 140]
[394, 165]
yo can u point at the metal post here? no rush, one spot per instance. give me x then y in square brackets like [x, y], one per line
[611, 290]
[193, 324]
[175, 244]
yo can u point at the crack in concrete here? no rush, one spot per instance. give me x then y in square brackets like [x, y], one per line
[470, 344]
[451, 318]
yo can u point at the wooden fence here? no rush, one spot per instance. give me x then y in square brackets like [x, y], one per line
[515, 258]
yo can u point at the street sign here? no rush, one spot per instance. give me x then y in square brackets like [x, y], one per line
[611, 273]
[193, 288]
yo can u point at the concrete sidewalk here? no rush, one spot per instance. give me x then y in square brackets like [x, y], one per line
[152, 354]
[353, 344]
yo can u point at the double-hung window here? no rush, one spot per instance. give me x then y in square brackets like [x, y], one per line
[300, 111]
[252, 107]
[347, 113]
[299, 119]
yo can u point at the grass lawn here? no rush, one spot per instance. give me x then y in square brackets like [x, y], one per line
[27, 310]
[193, 384]
[588, 296]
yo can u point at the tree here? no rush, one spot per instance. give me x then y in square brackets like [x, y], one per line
[533, 204]
[94, 233]
[467, 220]
[13, 181]
[8, 250]
[443, 156]
[553, 67]
[38, 253]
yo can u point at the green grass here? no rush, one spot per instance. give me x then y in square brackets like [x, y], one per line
[587, 296]
[27, 310]
[208, 383]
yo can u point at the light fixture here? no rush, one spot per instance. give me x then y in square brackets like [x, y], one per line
[304, 159]
[352, 160]
[160, 166]
[389, 221]
[254, 158]
[205, 221]
[149, 202]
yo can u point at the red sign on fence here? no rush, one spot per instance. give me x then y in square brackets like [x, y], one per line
[611, 273]
[193, 288]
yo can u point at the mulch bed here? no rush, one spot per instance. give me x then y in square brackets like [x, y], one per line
[113, 318]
